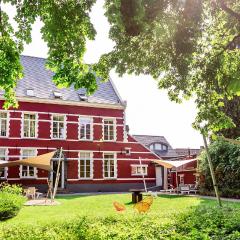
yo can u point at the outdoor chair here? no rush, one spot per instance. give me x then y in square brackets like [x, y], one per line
[194, 188]
[153, 194]
[119, 206]
[144, 205]
[184, 189]
[169, 190]
[31, 192]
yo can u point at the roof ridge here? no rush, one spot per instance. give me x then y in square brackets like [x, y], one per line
[23, 55]
[148, 135]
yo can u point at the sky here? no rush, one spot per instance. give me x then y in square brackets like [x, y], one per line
[149, 111]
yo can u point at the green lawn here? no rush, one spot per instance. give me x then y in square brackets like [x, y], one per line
[101, 205]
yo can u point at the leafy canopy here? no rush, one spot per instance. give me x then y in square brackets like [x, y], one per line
[66, 28]
[190, 46]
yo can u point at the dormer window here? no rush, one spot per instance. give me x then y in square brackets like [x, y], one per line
[82, 97]
[57, 94]
[158, 147]
[30, 93]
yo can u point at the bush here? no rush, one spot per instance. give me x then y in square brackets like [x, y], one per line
[11, 201]
[226, 161]
[209, 223]
[11, 188]
[201, 223]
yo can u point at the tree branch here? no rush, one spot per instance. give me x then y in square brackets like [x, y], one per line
[225, 8]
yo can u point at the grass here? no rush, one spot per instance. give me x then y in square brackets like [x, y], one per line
[164, 207]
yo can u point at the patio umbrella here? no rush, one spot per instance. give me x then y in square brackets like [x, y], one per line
[42, 161]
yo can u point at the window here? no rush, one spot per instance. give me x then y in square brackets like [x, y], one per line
[128, 151]
[85, 128]
[109, 129]
[29, 125]
[109, 166]
[57, 94]
[58, 126]
[3, 157]
[85, 165]
[30, 93]
[3, 124]
[158, 147]
[28, 171]
[138, 170]
[82, 97]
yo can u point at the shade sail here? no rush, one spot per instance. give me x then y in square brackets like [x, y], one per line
[171, 164]
[42, 161]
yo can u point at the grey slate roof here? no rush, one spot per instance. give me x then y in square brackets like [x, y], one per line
[147, 140]
[38, 78]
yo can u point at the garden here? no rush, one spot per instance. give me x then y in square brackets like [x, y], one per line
[94, 217]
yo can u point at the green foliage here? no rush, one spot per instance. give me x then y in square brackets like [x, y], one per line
[208, 223]
[66, 28]
[198, 223]
[11, 188]
[226, 161]
[11, 201]
[189, 46]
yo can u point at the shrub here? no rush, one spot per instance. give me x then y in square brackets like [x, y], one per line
[201, 223]
[226, 161]
[11, 188]
[209, 223]
[11, 201]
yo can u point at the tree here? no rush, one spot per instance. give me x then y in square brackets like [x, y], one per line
[66, 28]
[191, 47]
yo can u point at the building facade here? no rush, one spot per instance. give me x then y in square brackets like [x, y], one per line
[99, 155]
[187, 174]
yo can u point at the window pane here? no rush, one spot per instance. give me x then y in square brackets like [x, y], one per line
[158, 146]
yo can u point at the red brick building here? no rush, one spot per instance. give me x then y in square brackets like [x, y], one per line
[99, 153]
[187, 173]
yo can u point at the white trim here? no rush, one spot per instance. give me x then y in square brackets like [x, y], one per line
[7, 124]
[139, 165]
[91, 165]
[64, 127]
[6, 159]
[115, 165]
[62, 102]
[114, 129]
[22, 125]
[20, 167]
[68, 114]
[91, 128]
[117, 179]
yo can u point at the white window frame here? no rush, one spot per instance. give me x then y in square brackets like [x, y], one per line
[34, 168]
[30, 92]
[114, 129]
[91, 165]
[115, 165]
[91, 128]
[7, 125]
[5, 159]
[23, 124]
[64, 125]
[144, 166]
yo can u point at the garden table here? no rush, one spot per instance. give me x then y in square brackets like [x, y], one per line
[136, 195]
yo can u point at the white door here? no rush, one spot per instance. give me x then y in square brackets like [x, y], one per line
[159, 177]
